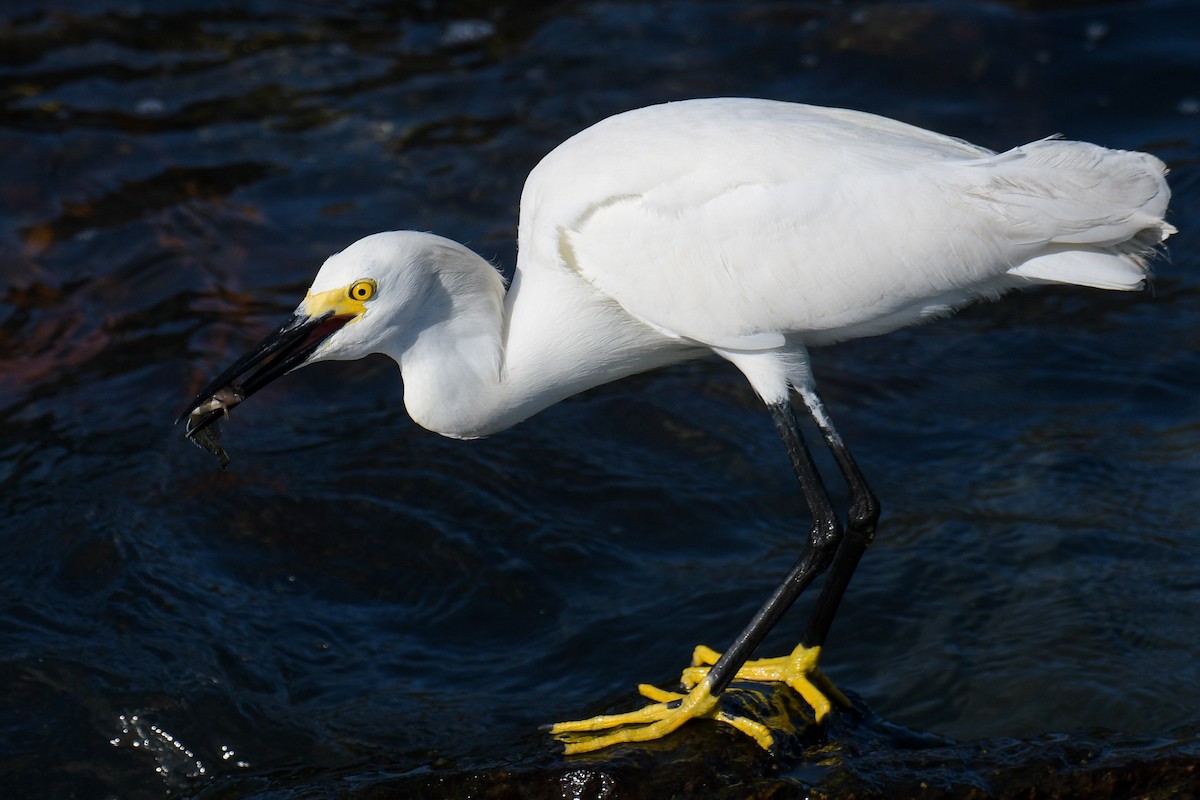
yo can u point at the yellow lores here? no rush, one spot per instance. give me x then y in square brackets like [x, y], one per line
[671, 709]
[343, 301]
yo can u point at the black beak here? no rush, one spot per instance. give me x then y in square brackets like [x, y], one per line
[277, 354]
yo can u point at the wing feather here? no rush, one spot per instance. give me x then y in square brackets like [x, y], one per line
[742, 224]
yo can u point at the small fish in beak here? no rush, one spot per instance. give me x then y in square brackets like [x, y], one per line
[287, 348]
[202, 427]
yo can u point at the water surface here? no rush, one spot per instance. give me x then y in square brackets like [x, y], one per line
[356, 598]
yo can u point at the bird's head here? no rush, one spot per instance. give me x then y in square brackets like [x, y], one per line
[374, 296]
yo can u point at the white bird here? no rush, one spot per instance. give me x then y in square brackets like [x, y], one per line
[747, 228]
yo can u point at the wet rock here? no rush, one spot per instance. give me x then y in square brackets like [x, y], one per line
[855, 756]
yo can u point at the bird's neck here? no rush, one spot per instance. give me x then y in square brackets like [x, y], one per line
[496, 359]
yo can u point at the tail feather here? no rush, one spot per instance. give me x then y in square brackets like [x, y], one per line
[1096, 269]
[1093, 215]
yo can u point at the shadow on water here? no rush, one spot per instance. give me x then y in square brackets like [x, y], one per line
[358, 608]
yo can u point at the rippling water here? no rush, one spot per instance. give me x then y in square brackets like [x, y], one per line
[356, 597]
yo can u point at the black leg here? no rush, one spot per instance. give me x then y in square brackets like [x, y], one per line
[827, 545]
[860, 527]
[823, 541]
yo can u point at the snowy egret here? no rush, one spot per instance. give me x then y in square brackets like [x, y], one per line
[747, 228]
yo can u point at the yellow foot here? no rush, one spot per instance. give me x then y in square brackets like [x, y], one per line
[798, 670]
[668, 711]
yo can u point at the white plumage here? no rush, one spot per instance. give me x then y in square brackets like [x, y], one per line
[749, 228]
[746, 228]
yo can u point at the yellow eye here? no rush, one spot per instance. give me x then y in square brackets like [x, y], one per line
[362, 291]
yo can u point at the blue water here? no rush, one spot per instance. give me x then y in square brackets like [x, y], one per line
[356, 595]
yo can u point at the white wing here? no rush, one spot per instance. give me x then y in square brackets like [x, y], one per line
[737, 223]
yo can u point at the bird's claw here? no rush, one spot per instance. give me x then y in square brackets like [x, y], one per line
[798, 670]
[668, 711]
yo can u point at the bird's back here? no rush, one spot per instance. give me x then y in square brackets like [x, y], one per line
[744, 223]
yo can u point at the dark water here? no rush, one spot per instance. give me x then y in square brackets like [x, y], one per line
[357, 601]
